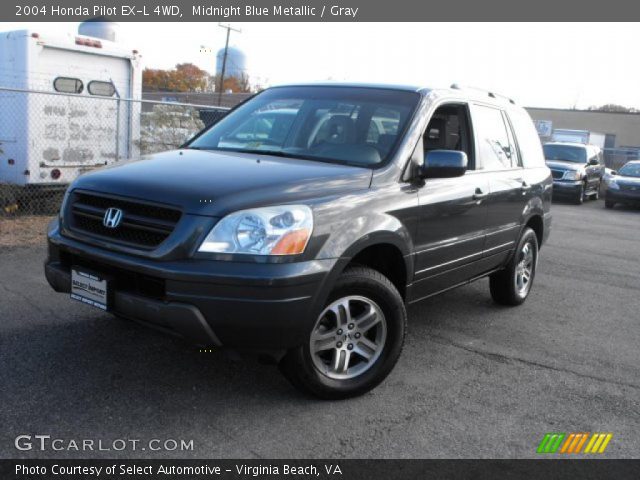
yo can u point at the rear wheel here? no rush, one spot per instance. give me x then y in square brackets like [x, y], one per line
[511, 286]
[356, 340]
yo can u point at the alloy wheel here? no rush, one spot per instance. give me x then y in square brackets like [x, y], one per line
[524, 269]
[348, 337]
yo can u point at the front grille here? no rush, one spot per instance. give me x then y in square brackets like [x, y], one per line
[143, 225]
[557, 174]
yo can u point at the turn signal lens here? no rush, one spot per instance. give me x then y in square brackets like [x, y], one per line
[292, 243]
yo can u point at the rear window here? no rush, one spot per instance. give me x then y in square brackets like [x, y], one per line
[103, 89]
[68, 85]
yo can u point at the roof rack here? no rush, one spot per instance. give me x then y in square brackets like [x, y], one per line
[456, 86]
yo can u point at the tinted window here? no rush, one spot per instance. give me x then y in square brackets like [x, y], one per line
[359, 126]
[565, 153]
[527, 137]
[68, 85]
[448, 129]
[104, 89]
[493, 139]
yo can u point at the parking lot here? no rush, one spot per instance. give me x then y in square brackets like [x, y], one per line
[474, 380]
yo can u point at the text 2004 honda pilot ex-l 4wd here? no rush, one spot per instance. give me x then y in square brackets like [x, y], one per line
[303, 222]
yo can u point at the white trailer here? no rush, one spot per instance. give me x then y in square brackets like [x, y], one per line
[578, 136]
[61, 107]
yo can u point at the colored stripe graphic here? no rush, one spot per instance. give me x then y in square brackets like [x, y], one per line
[550, 442]
[573, 443]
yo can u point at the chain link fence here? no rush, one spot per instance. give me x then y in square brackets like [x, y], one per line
[615, 158]
[47, 139]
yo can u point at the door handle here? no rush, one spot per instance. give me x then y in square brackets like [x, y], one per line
[479, 195]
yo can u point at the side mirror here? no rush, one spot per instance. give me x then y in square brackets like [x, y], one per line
[614, 172]
[593, 161]
[444, 164]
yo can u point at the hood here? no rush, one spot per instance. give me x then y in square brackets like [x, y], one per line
[560, 165]
[622, 180]
[215, 183]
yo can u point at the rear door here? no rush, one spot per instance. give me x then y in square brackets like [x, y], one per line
[80, 131]
[509, 190]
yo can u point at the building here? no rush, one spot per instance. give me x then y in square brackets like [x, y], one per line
[622, 130]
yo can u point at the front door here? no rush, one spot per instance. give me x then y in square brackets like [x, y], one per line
[453, 211]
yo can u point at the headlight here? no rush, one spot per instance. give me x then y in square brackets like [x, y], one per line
[613, 184]
[281, 230]
[573, 175]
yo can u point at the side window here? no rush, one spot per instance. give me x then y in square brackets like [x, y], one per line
[513, 145]
[496, 151]
[103, 89]
[68, 85]
[450, 129]
[530, 148]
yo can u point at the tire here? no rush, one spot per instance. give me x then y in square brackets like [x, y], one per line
[579, 199]
[322, 365]
[609, 204]
[508, 286]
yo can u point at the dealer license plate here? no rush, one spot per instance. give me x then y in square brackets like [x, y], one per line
[89, 288]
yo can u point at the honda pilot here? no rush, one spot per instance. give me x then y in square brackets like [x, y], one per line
[302, 224]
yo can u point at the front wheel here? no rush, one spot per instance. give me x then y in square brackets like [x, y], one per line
[511, 286]
[579, 198]
[355, 341]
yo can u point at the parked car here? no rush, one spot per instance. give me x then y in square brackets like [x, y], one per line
[307, 244]
[577, 170]
[624, 185]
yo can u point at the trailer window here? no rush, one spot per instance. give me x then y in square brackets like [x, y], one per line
[68, 85]
[103, 89]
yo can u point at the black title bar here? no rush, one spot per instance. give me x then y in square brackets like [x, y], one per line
[320, 469]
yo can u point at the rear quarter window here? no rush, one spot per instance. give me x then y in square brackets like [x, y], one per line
[527, 138]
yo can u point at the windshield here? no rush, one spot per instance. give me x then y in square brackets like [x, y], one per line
[565, 153]
[630, 170]
[356, 126]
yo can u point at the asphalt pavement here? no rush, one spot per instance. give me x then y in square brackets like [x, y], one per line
[475, 380]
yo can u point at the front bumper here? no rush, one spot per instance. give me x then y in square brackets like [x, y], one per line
[566, 187]
[623, 196]
[265, 306]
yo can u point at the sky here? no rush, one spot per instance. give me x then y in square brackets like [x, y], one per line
[561, 65]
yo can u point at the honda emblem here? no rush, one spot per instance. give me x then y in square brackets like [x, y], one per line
[112, 217]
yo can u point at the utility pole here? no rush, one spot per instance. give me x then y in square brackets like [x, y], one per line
[224, 59]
